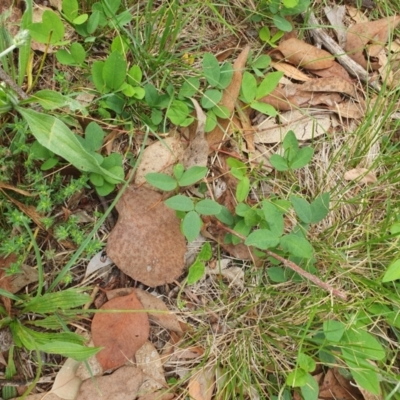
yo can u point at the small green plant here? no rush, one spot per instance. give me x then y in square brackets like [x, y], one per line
[265, 36]
[294, 157]
[197, 269]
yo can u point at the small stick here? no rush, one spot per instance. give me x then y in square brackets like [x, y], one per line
[7, 79]
[294, 267]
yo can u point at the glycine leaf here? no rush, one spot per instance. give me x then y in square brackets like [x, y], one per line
[278, 162]
[191, 225]
[333, 330]
[179, 113]
[226, 74]
[225, 216]
[97, 76]
[306, 362]
[302, 208]
[189, 88]
[269, 83]
[274, 217]
[302, 158]
[211, 69]
[290, 144]
[205, 253]
[179, 169]
[114, 70]
[249, 87]
[208, 207]
[393, 272]
[263, 239]
[196, 272]
[297, 378]
[277, 274]
[50, 30]
[264, 108]
[180, 203]
[320, 208]
[94, 136]
[282, 23]
[243, 189]
[135, 75]
[296, 246]
[310, 390]
[211, 98]
[262, 62]
[290, 3]
[70, 9]
[363, 345]
[264, 34]
[192, 175]
[161, 181]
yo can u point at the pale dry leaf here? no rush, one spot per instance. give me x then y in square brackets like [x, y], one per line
[66, 384]
[356, 15]
[290, 71]
[335, 16]
[95, 368]
[149, 361]
[120, 334]
[97, 262]
[13, 14]
[197, 151]
[331, 388]
[304, 55]
[4, 185]
[158, 312]
[201, 385]
[5, 280]
[157, 396]
[330, 84]
[147, 243]
[123, 384]
[348, 109]
[335, 70]
[160, 156]
[360, 175]
[235, 275]
[41, 396]
[304, 126]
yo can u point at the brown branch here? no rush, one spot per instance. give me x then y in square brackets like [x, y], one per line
[294, 267]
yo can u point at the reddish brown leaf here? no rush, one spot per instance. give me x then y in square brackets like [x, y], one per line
[120, 333]
[6, 281]
[147, 243]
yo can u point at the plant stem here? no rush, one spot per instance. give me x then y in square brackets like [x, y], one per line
[7, 79]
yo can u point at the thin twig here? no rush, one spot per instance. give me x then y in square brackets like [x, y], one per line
[294, 267]
[7, 79]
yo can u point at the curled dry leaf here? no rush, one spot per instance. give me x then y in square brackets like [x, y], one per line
[123, 384]
[290, 71]
[159, 157]
[304, 55]
[335, 16]
[66, 384]
[147, 243]
[98, 261]
[361, 175]
[201, 385]
[335, 70]
[332, 388]
[360, 35]
[235, 275]
[149, 361]
[120, 334]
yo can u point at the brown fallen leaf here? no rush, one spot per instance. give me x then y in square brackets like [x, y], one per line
[6, 281]
[290, 71]
[335, 16]
[66, 384]
[120, 334]
[229, 98]
[147, 243]
[13, 20]
[349, 109]
[4, 185]
[360, 175]
[159, 157]
[201, 385]
[124, 384]
[331, 388]
[157, 396]
[304, 55]
[335, 70]
[359, 35]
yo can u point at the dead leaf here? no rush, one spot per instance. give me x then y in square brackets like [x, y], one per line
[335, 16]
[359, 35]
[304, 55]
[348, 109]
[5, 280]
[201, 385]
[356, 14]
[27, 276]
[229, 99]
[157, 396]
[147, 243]
[158, 311]
[331, 388]
[360, 175]
[160, 156]
[4, 185]
[335, 70]
[66, 384]
[120, 333]
[235, 275]
[13, 20]
[149, 361]
[197, 151]
[290, 71]
[97, 262]
[123, 384]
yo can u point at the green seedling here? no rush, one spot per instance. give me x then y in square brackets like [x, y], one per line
[259, 65]
[197, 269]
[294, 157]
[265, 35]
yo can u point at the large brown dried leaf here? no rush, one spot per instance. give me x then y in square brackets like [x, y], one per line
[335, 70]
[229, 99]
[290, 71]
[66, 384]
[360, 35]
[305, 55]
[361, 175]
[201, 385]
[120, 334]
[123, 384]
[147, 243]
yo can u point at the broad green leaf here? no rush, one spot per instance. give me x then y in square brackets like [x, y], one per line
[111, 7]
[274, 217]
[333, 330]
[96, 179]
[94, 136]
[116, 170]
[208, 207]
[105, 189]
[226, 74]
[78, 53]
[49, 99]
[290, 3]
[80, 19]
[235, 163]
[297, 378]
[196, 272]
[241, 209]
[395, 228]
[211, 121]
[192, 175]
[205, 253]
[221, 111]
[264, 108]
[269, 83]
[296, 246]
[363, 373]
[51, 302]
[49, 163]
[50, 30]
[180, 203]
[70, 8]
[310, 390]
[264, 34]
[320, 207]
[189, 88]
[290, 145]
[93, 21]
[238, 173]
[302, 158]
[278, 162]
[248, 87]
[53, 134]
[363, 345]
[179, 113]
[243, 189]
[113, 160]
[282, 23]
[114, 70]
[225, 216]
[263, 239]
[161, 181]
[251, 218]
[135, 75]
[306, 362]
[241, 228]
[72, 350]
[211, 69]
[64, 57]
[191, 225]
[262, 62]
[302, 208]
[211, 98]
[179, 169]
[393, 272]
[97, 76]
[277, 274]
